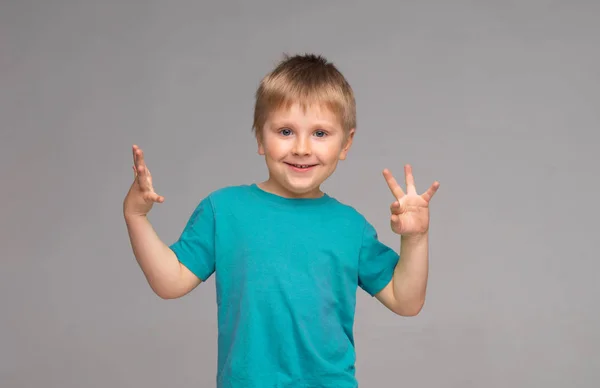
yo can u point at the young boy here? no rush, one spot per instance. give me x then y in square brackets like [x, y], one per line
[287, 257]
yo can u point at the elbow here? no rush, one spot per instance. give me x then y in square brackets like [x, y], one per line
[166, 293]
[409, 309]
[174, 288]
[408, 312]
[167, 296]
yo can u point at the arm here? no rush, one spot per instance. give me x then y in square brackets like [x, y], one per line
[161, 267]
[167, 277]
[405, 293]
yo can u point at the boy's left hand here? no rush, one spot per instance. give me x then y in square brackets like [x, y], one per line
[410, 213]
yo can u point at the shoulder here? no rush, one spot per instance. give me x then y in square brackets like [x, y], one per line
[348, 212]
[232, 199]
[220, 196]
[229, 192]
[357, 220]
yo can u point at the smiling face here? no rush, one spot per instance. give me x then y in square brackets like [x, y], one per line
[302, 149]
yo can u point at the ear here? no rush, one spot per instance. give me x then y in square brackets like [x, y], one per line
[347, 144]
[261, 148]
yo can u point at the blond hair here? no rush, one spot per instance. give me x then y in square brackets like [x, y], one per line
[307, 80]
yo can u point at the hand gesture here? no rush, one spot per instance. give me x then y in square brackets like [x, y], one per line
[141, 196]
[410, 211]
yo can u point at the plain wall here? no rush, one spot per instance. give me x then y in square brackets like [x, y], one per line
[498, 100]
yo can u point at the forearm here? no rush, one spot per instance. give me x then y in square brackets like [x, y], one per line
[157, 261]
[411, 272]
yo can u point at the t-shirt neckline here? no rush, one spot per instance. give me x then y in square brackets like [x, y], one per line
[278, 199]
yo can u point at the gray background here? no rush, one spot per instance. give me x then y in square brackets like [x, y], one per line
[499, 101]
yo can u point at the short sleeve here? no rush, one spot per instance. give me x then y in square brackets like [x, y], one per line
[195, 247]
[377, 262]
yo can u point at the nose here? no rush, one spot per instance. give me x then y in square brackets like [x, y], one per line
[301, 146]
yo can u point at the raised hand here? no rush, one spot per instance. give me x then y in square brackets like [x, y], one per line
[410, 211]
[141, 196]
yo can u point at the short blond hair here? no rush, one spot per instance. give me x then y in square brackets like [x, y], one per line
[307, 79]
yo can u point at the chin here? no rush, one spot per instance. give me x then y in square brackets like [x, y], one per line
[301, 190]
[296, 189]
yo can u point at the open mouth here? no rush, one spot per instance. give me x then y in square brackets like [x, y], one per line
[301, 167]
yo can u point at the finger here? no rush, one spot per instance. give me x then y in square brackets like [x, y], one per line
[158, 198]
[136, 150]
[393, 185]
[431, 191]
[410, 180]
[141, 168]
[139, 162]
[143, 176]
[139, 159]
[144, 180]
[155, 197]
[140, 171]
[396, 208]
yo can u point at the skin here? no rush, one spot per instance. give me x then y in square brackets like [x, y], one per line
[316, 137]
[405, 293]
[313, 137]
[167, 277]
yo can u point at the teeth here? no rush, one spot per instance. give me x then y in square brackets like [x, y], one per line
[300, 165]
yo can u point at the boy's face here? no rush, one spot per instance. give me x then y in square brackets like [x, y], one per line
[302, 150]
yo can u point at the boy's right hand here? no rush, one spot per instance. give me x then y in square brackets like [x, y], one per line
[141, 196]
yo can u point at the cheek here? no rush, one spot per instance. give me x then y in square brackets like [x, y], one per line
[276, 149]
[329, 152]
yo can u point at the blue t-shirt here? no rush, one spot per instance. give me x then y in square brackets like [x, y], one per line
[286, 275]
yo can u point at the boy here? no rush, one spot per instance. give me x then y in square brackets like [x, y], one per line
[287, 257]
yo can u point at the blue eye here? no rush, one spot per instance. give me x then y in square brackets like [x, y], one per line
[285, 132]
[320, 133]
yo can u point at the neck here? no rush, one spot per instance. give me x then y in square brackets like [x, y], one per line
[274, 188]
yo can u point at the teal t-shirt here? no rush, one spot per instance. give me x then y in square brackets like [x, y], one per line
[286, 274]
